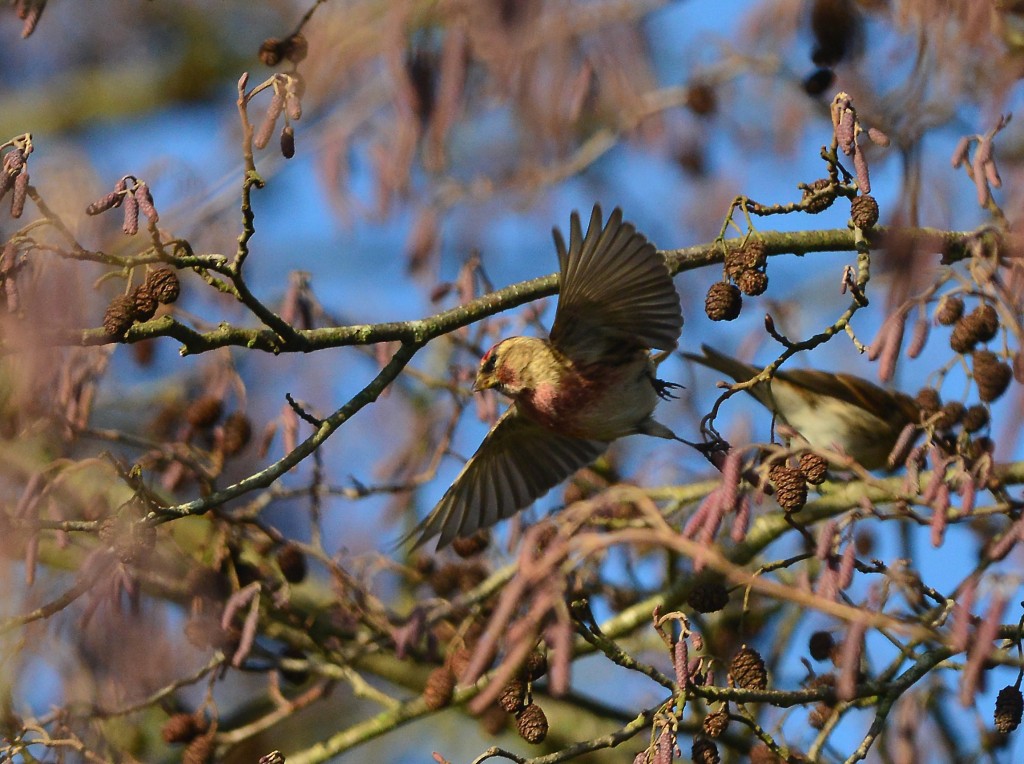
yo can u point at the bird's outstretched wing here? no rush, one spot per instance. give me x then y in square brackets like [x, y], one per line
[518, 462]
[615, 291]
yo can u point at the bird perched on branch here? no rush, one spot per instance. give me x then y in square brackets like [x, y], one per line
[828, 410]
[592, 381]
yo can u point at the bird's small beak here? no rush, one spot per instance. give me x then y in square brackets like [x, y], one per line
[484, 381]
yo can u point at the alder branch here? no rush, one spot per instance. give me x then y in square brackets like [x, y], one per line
[953, 245]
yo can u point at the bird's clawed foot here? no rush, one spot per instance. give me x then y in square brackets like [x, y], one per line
[664, 389]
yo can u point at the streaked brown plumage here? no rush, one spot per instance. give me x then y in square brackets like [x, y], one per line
[827, 409]
[591, 382]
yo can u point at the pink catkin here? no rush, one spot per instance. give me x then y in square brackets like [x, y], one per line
[708, 531]
[891, 352]
[847, 566]
[992, 174]
[731, 479]
[20, 191]
[266, 128]
[559, 637]
[713, 522]
[31, 559]
[849, 660]
[681, 663]
[981, 156]
[879, 342]
[826, 537]
[961, 629]
[130, 224]
[981, 648]
[144, 197]
[940, 510]
[248, 638]
[860, 166]
[900, 453]
[967, 491]
[937, 479]
[741, 521]
[918, 337]
[1009, 540]
[696, 520]
[960, 152]
[826, 586]
[664, 750]
[845, 132]
[877, 137]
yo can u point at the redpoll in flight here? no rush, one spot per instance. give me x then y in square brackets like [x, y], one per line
[591, 382]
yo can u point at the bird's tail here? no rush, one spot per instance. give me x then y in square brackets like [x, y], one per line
[731, 367]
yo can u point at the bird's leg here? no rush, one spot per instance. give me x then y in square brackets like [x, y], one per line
[664, 389]
[661, 387]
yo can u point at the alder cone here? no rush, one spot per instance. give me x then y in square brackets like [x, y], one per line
[199, 751]
[752, 283]
[708, 597]
[237, 432]
[119, 316]
[493, 720]
[1009, 708]
[715, 723]
[814, 468]
[532, 724]
[975, 418]
[204, 412]
[292, 563]
[512, 695]
[950, 415]
[819, 716]
[536, 665]
[821, 203]
[747, 669]
[991, 375]
[164, 285]
[469, 546]
[820, 645]
[755, 254]
[143, 303]
[182, 728]
[704, 751]
[984, 321]
[270, 51]
[723, 302]
[790, 487]
[439, 689]
[928, 401]
[949, 311]
[762, 754]
[864, 211]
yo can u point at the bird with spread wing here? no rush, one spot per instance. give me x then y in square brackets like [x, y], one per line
[589, 383]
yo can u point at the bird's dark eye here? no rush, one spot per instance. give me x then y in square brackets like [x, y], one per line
[488, 361]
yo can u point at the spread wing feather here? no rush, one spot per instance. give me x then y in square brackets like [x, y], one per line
[615, 291]
[517, 463]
